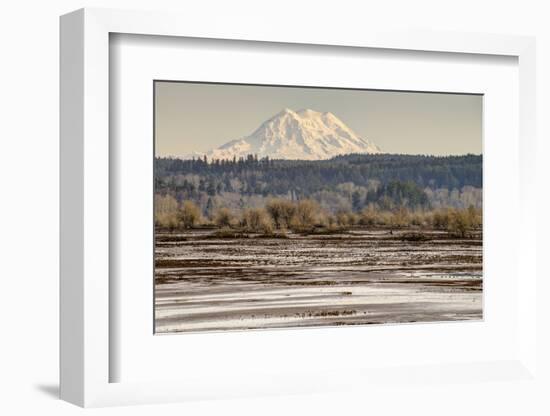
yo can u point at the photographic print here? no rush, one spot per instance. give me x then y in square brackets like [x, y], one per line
[291, 207]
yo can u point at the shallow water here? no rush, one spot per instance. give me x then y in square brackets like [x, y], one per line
[361, 277]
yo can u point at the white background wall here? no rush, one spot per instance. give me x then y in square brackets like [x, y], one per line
[29, 183]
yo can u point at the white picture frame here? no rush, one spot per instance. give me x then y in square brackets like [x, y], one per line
[85, 307]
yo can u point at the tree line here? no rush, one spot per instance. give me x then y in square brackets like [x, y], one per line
[388, 181]
[266, 176]
[306, 216]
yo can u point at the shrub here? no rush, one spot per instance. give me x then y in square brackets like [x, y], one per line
[353, 219]
[385, 218]
[418, 219]
[304, 216]
[228, 233]
[223, 218]
[166, 220]
[346, 219]
[281, 212]
[458, 223]
[189, 214]
[474, 217]
[166, 210]
[256, 220]
[331, 221]
[440, 219]
[400, 217]
[368, 217]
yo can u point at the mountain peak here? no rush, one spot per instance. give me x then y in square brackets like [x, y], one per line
[304, 134]
[285, 111]
[307, 112]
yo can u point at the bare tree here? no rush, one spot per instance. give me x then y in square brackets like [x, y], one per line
[166, 210]
[223, 217]
[305, 213]
[256, 220]
[189, 214]
[281, 211]
[458, 222]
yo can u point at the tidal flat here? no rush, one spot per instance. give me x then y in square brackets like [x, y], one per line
[208, 282]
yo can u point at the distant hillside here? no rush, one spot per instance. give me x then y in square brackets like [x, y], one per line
[280, 176]
[414, 181]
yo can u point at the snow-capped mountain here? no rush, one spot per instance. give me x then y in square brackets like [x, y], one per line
[304, 134]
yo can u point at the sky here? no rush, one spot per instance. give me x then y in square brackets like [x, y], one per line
[195, 117]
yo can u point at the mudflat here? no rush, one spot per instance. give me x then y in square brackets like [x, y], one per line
[207, 282]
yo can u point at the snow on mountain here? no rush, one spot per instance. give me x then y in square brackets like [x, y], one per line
[304, 134]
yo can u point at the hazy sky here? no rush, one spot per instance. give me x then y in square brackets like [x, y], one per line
[197, 117]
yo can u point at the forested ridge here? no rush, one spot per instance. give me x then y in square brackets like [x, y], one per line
[265, 176]
[382, 179]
